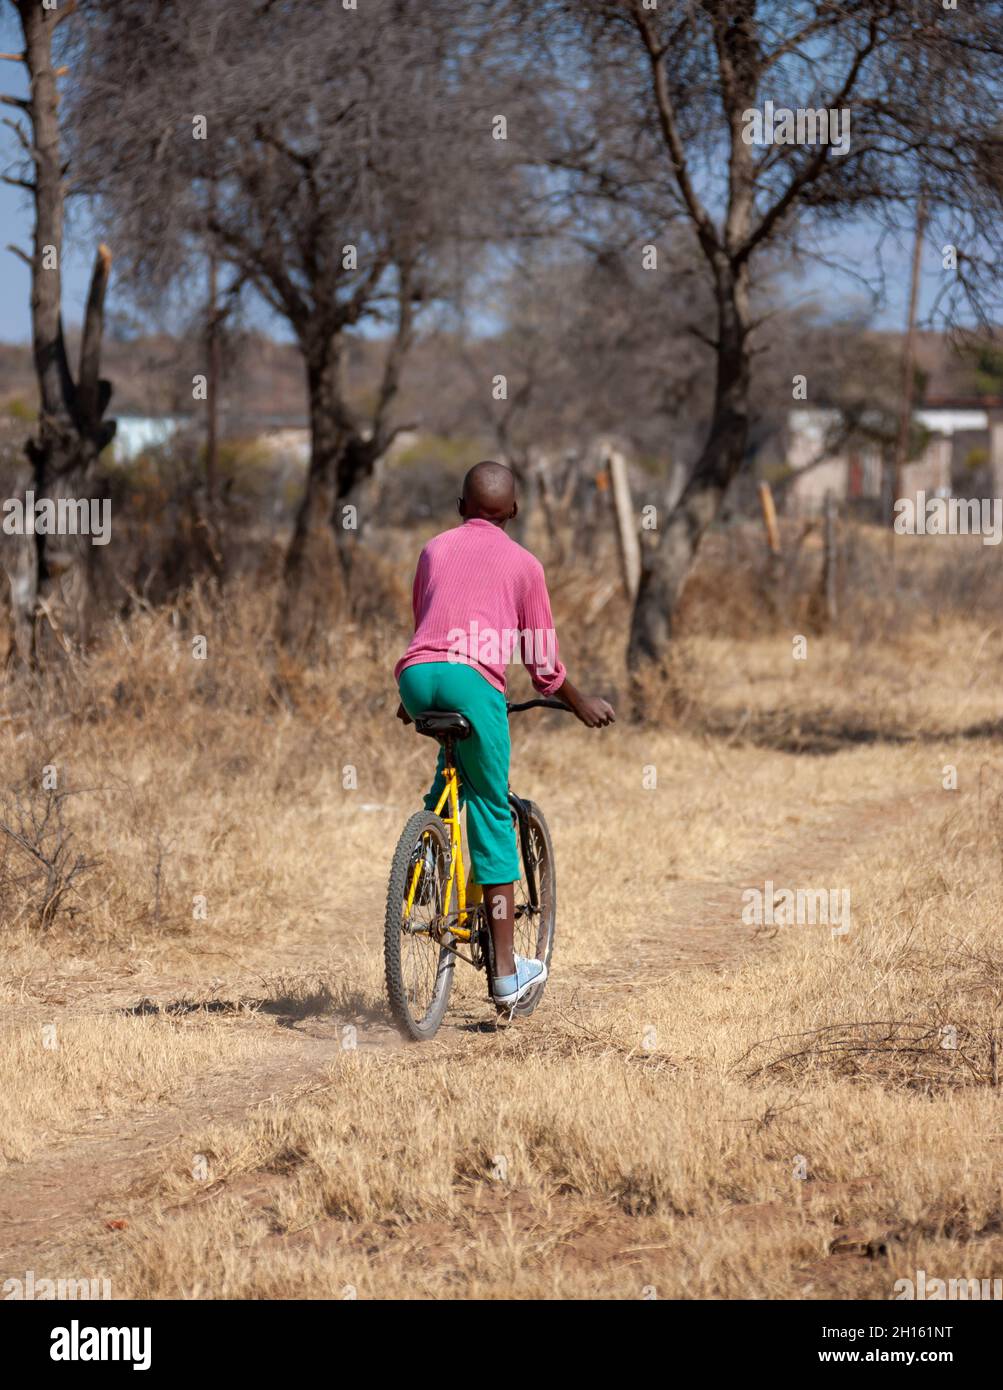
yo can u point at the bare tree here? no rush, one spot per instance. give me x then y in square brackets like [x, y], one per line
[584, 352]
[47, 574]
[336, 141]
[920, 86]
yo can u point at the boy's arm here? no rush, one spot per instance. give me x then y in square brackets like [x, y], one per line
[592, 710]
[418, 587]
[542, 660]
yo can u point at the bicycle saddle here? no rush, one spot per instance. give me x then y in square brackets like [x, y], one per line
[442, 723]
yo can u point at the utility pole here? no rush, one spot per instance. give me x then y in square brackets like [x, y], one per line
[213, 365]
[909, 351]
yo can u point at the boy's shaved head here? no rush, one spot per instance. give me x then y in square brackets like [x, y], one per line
[489, 493]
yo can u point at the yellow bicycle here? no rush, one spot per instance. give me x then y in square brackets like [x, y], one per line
[435, 916]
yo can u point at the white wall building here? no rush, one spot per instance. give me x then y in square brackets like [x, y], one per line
[854, 470]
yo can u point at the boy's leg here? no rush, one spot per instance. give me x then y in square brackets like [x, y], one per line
[483, 760]
[499, 901]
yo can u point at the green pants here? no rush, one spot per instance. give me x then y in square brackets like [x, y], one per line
[482, 760]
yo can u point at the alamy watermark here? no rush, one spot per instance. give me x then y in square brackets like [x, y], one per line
[489, 646]
[770, 906]
[924, 1287]
[58, 516]
[805, 126]
[77, 1343]
[31, 1288]
[950, 516]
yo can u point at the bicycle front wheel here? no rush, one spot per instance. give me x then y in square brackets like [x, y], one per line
[535, 924]
[419, 968]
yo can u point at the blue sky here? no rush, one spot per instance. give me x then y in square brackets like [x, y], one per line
[15, 212]
[856, 246]
[16, 220]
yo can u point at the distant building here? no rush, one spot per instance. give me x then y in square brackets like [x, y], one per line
[284, 437]
[135, 434]
[285, 443]
[963, 456]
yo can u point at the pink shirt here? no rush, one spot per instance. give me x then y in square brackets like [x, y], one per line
[481, 599]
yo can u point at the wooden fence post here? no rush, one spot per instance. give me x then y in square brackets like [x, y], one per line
[769, 518]
[626, 528]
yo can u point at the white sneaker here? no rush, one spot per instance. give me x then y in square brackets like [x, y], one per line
[509, 989]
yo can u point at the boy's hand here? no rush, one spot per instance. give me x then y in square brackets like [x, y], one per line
[594, 711]
[403, 715]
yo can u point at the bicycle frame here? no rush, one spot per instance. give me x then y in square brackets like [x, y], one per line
[437, 910]
[457, 878]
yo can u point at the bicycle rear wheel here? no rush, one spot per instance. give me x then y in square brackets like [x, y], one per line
[419, 968]
[534, 927]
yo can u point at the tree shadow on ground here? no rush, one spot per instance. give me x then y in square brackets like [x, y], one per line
[287, 1008]
[823, 736]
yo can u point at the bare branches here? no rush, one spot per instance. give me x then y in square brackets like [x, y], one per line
[352, 309]
[34, 822]
[22, 137]
[903, 1052]
[812, 167]
[827, 18]
[697, 332]
[262, 263]
[323, 141]
[670, 133]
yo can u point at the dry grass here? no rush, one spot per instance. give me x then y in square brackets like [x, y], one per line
[660, 1124]
[56, 1079]
[629, 1141]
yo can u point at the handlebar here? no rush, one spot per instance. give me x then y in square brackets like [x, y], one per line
[542, 702]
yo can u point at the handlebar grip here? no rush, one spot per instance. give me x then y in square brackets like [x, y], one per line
[543, 702]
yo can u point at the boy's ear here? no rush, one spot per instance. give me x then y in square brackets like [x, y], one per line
[514, 512]
[460, 507]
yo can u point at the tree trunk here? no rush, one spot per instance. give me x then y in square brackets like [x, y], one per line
[312, 566]
[666, 565]
[213, 377]
[322, 552]
[52, 575]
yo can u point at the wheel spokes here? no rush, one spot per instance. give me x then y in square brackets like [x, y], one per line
[420, 948]
[528, 921]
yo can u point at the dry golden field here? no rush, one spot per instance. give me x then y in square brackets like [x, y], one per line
[201, 1094]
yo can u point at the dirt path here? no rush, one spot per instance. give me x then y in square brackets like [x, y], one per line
[62, 1193]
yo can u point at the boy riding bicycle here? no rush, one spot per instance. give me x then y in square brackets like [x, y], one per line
[478, 598]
